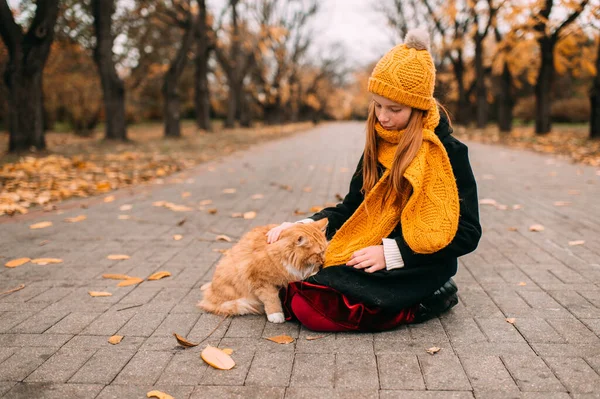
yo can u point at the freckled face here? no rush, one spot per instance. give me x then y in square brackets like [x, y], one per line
[391, 115]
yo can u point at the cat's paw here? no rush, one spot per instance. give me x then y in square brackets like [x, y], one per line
[276, 317]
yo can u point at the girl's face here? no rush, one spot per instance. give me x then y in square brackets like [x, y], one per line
[390, 114]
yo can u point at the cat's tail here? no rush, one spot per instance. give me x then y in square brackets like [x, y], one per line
[231, 308]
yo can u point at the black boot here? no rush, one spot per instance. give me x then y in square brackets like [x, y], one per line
[439, 302]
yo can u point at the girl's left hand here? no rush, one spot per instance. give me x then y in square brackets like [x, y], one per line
[370, 258]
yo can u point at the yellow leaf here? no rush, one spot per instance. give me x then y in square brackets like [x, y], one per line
[116, 276]
[205, 202]
[41, 225]
[229, 191]
[576, 242]
[159, 275]
[314, 337]
[228, 351]
[177, 237]
[103, 186]
[316, 208]
[184, 342]
[118, 257]
[115, 339]
[99, 293]
[536, 227]
[185, 194]
[76, 219]
[217, 358]
[222, 237]
[281, 339]
[46, 261]
[511, 320]
[433, 350]
[159, 203]
[249, 215]
[110, 198]
[522, 283]
[212, 211]
[221, 250]
[126, 207]
[130, 281]
[487, 201]
[159, 395]
[17, 262]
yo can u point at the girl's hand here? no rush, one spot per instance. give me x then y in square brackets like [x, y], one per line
[370, 258]
[273, 234]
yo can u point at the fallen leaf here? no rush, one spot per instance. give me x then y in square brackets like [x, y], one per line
[229, 191]
[116, 276]
[212, 211]
[517, 206]
[562, 203]
[574, 192]
[110, 198]
[249, 215]
[221, 250]
[227, 351]
[501, 207]
[205, 202]
[76, 219]
[177, 237]
[222, 237]
[314, 337]
[307, 189]
[159, 275]
[522, 283]
[159, 203]
[487, 201]
[185, 194]
[44, 242]
[237, 215]
[299, 212]
[184, 342]
[181, 222]
[177, 208]
[13, 290]
[511, 320]
[576, 242]
[118, 257]
[513, 229]
[159, 395]
[536, 227]
[316, 208]
[46, 261]
[115, 339]
[126, 207]
[124, 217]
[40, 225]
[281, 339]
[130, 281]
[433, 350]
[343, 170]
[339, 197]
[217, 358]
[99, 293]
[17, 262]
[257, 196]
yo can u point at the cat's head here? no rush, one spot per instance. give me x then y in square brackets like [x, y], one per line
[306, 245]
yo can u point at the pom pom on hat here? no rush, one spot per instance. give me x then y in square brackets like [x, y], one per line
[418, 39]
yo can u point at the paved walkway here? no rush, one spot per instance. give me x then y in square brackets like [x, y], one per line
[53, 335]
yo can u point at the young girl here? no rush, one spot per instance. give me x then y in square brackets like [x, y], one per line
[411, 211]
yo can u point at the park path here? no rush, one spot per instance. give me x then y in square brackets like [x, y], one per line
[53, 335]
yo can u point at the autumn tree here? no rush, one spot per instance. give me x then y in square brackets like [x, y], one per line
[595, 97]
[204, 45]
[113, 88]
[28, 52]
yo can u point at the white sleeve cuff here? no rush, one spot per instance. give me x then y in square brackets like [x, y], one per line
[307, 220]
[391, 253]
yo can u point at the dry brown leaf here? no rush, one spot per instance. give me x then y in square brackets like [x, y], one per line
[222, 237]
[511, 320]
[99, 293]
[177, 208]
[159, 395]
[217, 358]
[181, 222]
[177, 237]
[316, 208]
[40, 225]
[339, 197]
[281, 339]
[46, 261]
[229, 191]
[299, 212]
[44, 242]
[17, 262]
[184, 342]
[237, 215]
[118, 257]
[249, 215]
[212, 211]
[307, 189]
[221, 250]
[126, 207]
[536, 227]
[159, 203]
[130, 281]
[257, 196]
[19, 288]
[501, 207]
[159, 275]
[205, 202]
[116, 276]
[513, 229]
[314, 337]
[522, 283]
[576, 242]
[76, 219]
[115, 339]
[110, 198]
[487, 201]
[562, 203]
[228, 351]
[433, 350]
[124, 217]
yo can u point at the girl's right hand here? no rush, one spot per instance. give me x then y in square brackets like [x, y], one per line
[273, 234]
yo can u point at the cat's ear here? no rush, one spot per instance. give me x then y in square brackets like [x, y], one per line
[301, 240]
[322, 224]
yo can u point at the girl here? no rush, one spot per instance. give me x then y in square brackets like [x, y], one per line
[411, 210]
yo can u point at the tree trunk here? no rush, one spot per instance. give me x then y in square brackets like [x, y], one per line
[231, 106]
[482, 104]
[595, 100]
[463, 102]
[234, 69]
[505, 101]
[543, 87]
[23, 76]
[202, 94]
[243, 106]
[170, 93]
[112, 86]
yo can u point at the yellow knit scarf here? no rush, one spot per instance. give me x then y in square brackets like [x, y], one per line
[430, 216]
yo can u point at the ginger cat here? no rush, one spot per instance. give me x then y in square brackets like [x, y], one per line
[248, 278]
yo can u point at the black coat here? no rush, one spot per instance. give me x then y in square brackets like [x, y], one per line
[422, 274]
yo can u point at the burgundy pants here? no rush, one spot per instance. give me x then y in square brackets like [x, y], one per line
[322, 308]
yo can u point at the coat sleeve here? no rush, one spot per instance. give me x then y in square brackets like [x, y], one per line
[337, 215]
[469, 229]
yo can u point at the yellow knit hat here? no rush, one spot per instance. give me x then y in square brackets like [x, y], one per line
[406, 74]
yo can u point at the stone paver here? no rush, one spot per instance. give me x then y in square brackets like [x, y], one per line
[53, 335]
